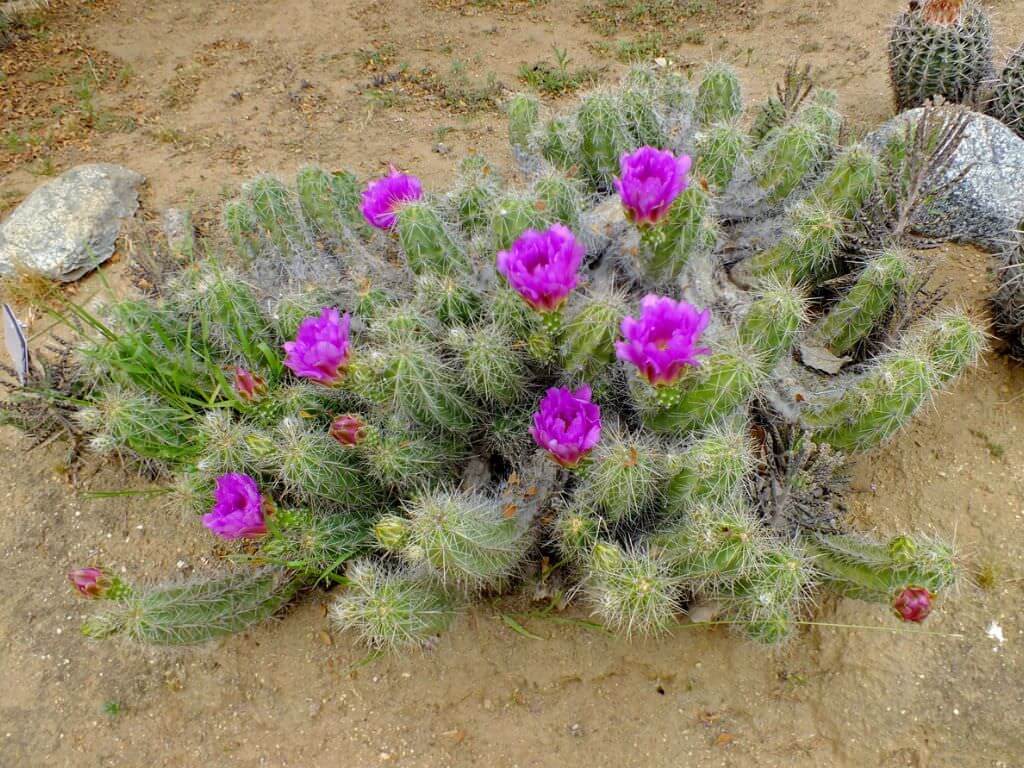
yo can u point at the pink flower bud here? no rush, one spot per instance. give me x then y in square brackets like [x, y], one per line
[248, 385]
[913, 604]
[348, 429]
[90, 582]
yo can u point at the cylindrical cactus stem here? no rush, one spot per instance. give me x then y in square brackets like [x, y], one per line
[850, 182]
[467, 540]
[688, 230]
[314, 546]
[1006, 103]
[141, 423]
[715, 545]
[876, 291]
[315, 468]
[274, 207]
[576, 530]
[719, 149]
[560, 144]
[316, 199]
[560, 198]
[711, 470]
[632, 590]
[823, 116]
[624, 477]
[423, 386]
[196, 610]
[882, 400]
[790, 157]
[243, 229]
[512, 215]
[767, 600]
[604, 137]
[448, 298]
[856, 566]
[809, 254]
[953, 341]
[227, 444]
[426, 243]
[940, 48]
[329, 201]
[706, 395]
[492, 368]
[474, 197]
[523, 114]
[640, 104]
[876, 405]
[774, 319]
[390, 608]
[590, 330]
[719, 95]
[405, 460]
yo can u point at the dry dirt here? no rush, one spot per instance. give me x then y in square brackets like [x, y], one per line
[199, 96]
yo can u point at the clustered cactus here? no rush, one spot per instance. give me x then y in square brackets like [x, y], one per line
[942, 49]
[426, 397]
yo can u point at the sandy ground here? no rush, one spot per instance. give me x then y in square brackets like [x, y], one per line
[199, 96]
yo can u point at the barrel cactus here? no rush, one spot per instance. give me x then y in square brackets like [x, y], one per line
[940, 48]
[431, 397]
[1006, 102]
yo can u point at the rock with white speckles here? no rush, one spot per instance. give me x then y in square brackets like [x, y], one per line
[68, 226]
[986, 207]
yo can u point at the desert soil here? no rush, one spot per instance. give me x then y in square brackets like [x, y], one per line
[199, 96]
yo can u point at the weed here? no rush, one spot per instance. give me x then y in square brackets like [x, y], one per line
[559, 78]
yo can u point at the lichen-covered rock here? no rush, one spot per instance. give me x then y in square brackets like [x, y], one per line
[986, 206]
[68, 226]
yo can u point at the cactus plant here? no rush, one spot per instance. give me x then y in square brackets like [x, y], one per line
[940, 48]
[1006, 102]
[499, 373]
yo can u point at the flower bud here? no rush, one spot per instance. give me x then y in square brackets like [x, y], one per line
[248, 385]
[95, 583]
[348, 429]
[913, 604]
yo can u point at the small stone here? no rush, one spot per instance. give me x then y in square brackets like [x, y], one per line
[441, 148]
[488, 705]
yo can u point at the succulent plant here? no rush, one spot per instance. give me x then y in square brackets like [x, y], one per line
[940, 48]
[481, 379]
[1006, 102]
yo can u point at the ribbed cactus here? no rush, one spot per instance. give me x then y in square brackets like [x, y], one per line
[876, 291]
[719, 95]
[1006, 102]
[858, 567]
[940, 48]
[884, 398]
[391, 609]
[196, 610]
[410, 394]
[719, 149]
[604, 137]
[523, 113]
[464, 540]
[1008, 301]
[632, 591]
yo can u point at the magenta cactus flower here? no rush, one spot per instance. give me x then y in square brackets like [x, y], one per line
[238, 509]
[913, 604]
[383, 196]
[90, 582]
[321, 348]
[650, 181]
[542, 267]
[567, 425]
[663, 341]
[348, 429]
[248, 385]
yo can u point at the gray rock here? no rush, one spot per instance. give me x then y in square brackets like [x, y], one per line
[68, 226]
[987, 206]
